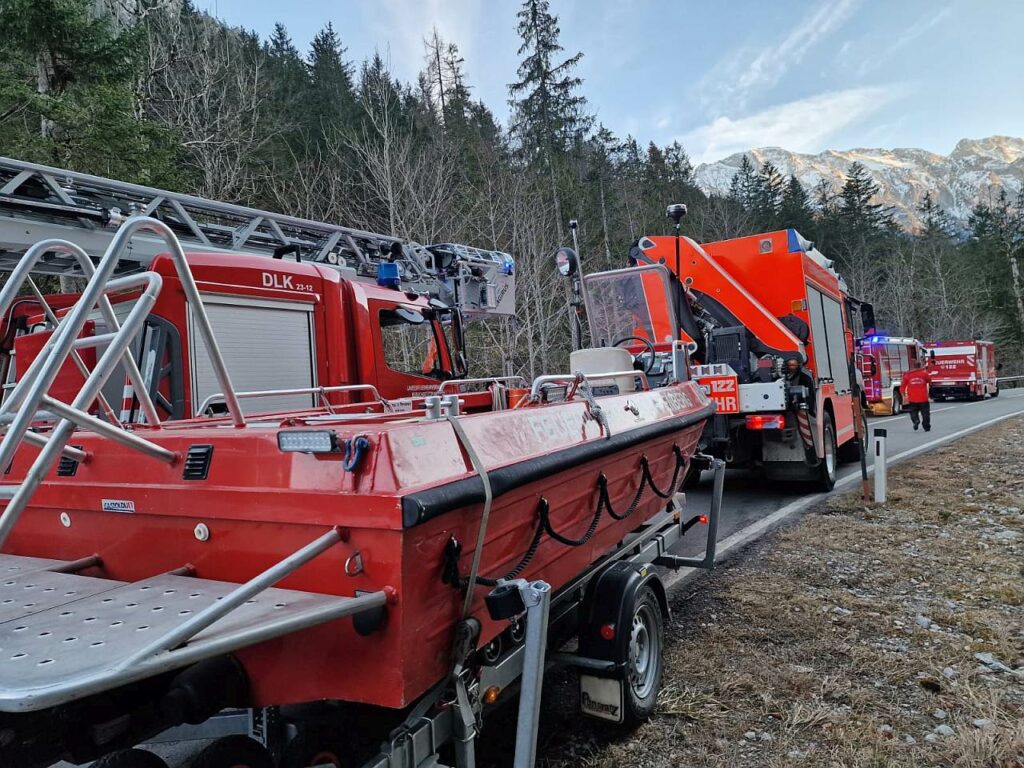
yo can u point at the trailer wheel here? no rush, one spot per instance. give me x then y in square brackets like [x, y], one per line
[234, 752]
[130, 758]
[645, 666]
[827, 468]
[317, 746]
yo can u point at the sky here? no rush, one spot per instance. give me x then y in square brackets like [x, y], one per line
[720, 77]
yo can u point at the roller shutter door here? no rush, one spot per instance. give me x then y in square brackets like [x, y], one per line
[265, 344]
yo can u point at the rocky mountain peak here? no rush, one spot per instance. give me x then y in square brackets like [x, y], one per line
[975, 170]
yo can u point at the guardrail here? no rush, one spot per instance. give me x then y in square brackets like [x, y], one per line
[1010, 382]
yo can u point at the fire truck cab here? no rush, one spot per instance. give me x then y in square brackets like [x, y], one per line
[883, 361]
[747, 307]
[290, 333]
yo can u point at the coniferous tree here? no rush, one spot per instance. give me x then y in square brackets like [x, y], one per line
[67, 97]
[331, 97]
[288, 85]
[795, 210]
[768, 196]
[549, 115]
[744, 187]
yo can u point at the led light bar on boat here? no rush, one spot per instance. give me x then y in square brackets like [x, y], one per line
[308, 441]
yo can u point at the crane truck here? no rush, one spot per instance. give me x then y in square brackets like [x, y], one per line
[772, 331]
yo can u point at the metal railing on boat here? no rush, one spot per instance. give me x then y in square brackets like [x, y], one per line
[322, 392]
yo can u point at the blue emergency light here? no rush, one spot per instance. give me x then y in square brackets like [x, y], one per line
[388, 275]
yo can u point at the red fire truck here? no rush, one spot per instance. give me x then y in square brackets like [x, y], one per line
[963, 370]
[747, 306]
[883, 361]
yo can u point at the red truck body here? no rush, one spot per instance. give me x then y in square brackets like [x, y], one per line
[962, 370]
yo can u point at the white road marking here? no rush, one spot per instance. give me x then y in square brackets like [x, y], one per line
[902, 415]
[744, 536]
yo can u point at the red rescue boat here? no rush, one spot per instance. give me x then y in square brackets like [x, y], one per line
[318, 554]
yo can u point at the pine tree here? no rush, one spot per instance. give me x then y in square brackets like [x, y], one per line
[331, 97]
[744, 187]
[935, 222]
[67, 98]
[795, 209]
[549, 115]
[768, 199]
[857, 207]
[288, 85]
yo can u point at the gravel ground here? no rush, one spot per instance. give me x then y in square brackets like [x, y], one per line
[862, 635]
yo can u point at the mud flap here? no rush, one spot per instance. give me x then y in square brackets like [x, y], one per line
[602, 697]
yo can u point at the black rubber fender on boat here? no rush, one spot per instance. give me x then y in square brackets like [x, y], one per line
[424, 505]
[610, 599]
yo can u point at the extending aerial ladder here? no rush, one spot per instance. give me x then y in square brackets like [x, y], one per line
[38, 203]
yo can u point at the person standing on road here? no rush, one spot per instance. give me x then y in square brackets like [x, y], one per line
[914, 389]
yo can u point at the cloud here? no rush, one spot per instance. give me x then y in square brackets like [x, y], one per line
[732, 80]
[910, 34]
[804, 125]
[914, 31]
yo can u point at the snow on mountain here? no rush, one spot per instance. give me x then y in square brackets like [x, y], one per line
[975, 170]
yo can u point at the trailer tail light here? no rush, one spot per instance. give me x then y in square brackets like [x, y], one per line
[772, 421]
[607, 631]
[308, 441]
[491, 694]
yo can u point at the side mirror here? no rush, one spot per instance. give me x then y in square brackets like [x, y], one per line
[999, 366]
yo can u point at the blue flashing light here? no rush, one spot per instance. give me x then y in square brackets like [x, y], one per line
[388, 275]
[794, 241]
[508, 266]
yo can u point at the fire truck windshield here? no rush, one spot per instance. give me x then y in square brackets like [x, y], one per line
[410, 343]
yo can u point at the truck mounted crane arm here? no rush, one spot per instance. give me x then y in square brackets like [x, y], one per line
[721, 301]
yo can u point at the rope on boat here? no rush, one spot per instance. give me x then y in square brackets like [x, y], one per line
[450, 573]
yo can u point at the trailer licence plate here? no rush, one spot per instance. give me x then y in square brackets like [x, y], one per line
[601, 697]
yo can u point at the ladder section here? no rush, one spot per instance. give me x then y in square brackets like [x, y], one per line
[30, 398]
[38, 202]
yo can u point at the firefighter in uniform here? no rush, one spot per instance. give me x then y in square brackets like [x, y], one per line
[797, 375]
[914, 389]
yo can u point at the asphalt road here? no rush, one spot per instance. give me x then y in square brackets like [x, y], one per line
[749, 499]
[750, 502]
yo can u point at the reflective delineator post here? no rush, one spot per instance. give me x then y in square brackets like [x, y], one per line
[880, 468]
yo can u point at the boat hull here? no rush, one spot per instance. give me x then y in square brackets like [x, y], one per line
[413, 493]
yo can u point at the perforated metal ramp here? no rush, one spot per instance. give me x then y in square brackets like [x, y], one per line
[18, 565]
[90, 636]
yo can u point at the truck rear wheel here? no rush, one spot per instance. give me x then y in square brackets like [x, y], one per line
[851, 450]
[897, 404]
[995, 392]
[827, 469]
[645, 667]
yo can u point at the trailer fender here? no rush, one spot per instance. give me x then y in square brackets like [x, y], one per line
[610, 600]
